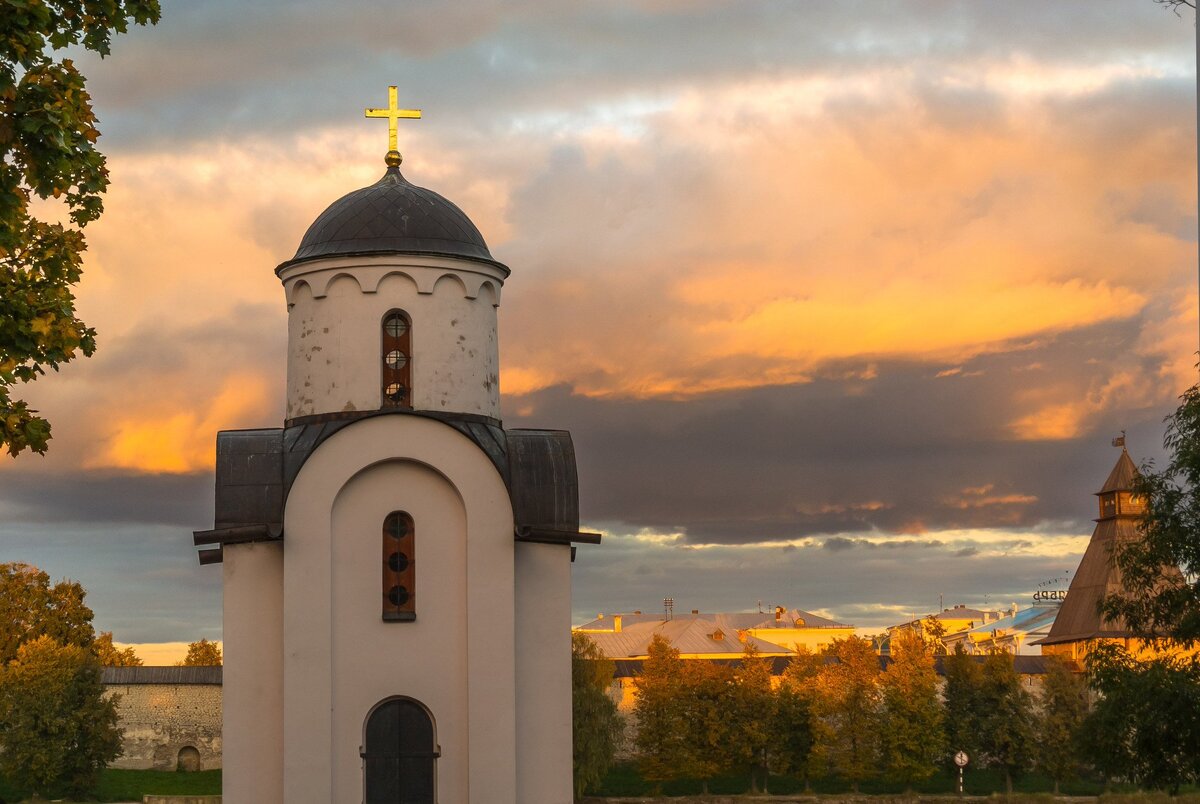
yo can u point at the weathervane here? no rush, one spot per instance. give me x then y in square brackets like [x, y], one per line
[393, 113]
[1119, 441]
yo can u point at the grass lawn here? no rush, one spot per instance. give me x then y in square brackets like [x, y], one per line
[131, 785]
[624, 780]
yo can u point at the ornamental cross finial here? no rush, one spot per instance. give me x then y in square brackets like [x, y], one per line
[393, 113]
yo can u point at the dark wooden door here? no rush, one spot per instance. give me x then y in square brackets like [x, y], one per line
[400, 754]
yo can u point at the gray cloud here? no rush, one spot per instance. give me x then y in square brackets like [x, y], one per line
[902, 453]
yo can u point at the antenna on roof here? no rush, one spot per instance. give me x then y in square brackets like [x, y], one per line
[669, 607]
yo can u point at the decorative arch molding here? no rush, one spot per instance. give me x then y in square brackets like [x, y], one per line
[488, 292]
[309, 704]
[425, 273]
[447, 279]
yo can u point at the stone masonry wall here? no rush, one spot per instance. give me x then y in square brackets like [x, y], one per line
[161, 720]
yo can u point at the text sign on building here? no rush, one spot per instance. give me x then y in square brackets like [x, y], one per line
[1050, 594]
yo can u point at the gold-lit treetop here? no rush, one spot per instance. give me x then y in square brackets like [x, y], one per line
[393, 113]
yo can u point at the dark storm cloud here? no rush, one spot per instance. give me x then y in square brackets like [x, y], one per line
[903, 453]
[103, 498]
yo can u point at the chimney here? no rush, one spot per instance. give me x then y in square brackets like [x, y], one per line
[695, 611]
[616, 623]
[779, 613]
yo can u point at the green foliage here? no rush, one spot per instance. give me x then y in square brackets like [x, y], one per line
[1064, 706]
[133, 785]
[911, 730]
[596, 725]
[1155, 604]
[47, 150]
[1006, 738]
[793, 731]
[30, 608]
[750, 716]
[110, 656]
[659, 707]
[57, 729]
[1145, 724]
[848, 705]
[202, 654]
[707, 697]
[963, 704]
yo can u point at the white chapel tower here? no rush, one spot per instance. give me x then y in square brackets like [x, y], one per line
[396, 565]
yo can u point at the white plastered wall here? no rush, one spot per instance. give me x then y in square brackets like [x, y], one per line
[335, 312]
[544, 756]
[457, 658]
[252, 679]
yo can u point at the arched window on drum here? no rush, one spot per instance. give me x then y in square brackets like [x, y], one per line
[399, 567]
[396, 360]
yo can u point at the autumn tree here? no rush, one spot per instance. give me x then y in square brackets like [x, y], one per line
[707, 699]
[794, 728]
[111, 656]
[202, 653]
[660, 714]
[31, 607]
[596, 725]
[1155, 603]
[964, 708]
[750, 715]
[849, 706]
[47, 150]
[1006, 732]
[1063, 708]
[1145, 723]
[912, 737]
[57, 728]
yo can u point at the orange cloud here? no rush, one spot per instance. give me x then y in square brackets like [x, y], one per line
[185, 441]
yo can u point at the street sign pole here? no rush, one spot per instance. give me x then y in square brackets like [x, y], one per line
[961, 759]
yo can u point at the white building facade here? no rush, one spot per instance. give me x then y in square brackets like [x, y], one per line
[396, 565]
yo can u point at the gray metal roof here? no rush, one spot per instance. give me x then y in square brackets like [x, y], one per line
[689, 634]
[161, 675]
[729, 621]
[392, 216]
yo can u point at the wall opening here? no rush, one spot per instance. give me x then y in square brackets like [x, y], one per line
[188, 760]
[399, 754]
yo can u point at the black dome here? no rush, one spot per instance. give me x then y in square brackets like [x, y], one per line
[392, 216]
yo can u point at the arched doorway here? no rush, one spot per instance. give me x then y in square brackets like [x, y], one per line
[399, 754]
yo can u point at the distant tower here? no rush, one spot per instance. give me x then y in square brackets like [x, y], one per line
[396, 564]
[1079, 621]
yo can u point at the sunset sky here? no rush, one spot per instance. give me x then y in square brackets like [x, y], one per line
[841, 301]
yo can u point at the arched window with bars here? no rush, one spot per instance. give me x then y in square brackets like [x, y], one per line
[396, 360]
[399, 567]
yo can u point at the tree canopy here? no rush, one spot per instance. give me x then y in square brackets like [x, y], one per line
[596, 726]
[1145, 724]
[47, 150]
[57, 729]
[203, 653]
[1158, 602]
[30, 607]
[109, 655]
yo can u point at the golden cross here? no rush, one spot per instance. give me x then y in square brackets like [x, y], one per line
[393, 113]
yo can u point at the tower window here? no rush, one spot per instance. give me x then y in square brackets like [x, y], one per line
[399, 575]
[396, 353]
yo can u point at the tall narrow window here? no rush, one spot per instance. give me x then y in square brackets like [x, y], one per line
[399, 570]
[396, 360]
